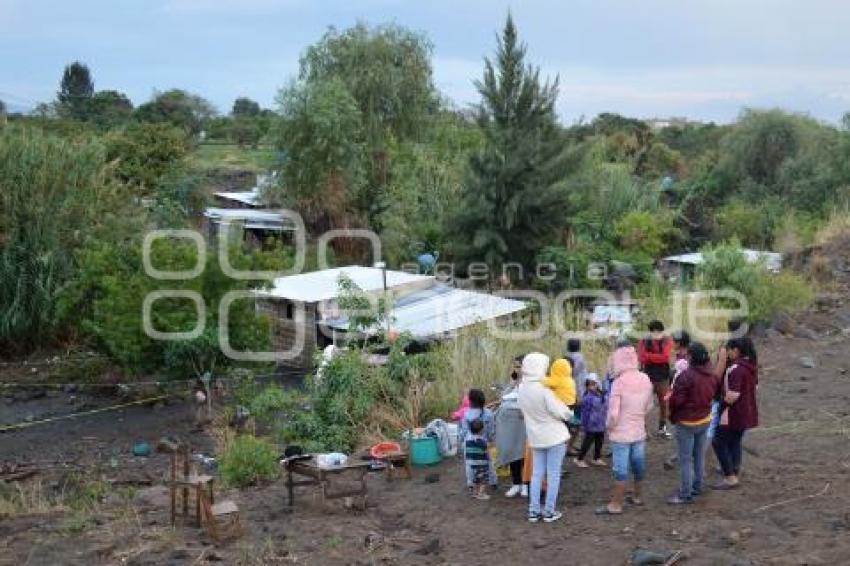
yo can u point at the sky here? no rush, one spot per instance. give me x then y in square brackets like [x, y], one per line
[700, 59]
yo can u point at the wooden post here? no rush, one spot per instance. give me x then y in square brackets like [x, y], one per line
[289, 486]
[185, 454]
[173, 474]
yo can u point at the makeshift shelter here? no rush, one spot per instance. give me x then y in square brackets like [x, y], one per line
[683, 267]
[423, 307]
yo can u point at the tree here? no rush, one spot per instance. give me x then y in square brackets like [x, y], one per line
[180, 108]
[387, 72]
[146, 152]
[646, 234]
[246, 132]
[320, 134]
[109, 108]
[245, 108]
[75, 90]
[515, 201]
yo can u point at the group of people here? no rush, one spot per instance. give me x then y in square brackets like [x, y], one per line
[547, 407]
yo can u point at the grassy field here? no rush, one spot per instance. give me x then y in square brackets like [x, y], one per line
[209, 156]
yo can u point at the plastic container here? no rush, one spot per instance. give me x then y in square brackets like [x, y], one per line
[454, 438]
[424, 451]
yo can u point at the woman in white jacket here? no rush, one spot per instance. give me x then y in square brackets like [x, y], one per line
[545, 426]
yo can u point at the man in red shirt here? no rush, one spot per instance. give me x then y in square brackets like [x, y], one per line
[654, 353]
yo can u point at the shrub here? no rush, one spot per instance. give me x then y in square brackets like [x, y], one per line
[647, 234]
[268, 402]
[249, 460]
[725, 267]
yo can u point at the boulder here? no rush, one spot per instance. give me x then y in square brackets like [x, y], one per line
[784, 323]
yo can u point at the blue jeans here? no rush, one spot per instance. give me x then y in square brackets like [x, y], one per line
[547, 461]
[692, 441]
[491, 473]
[629, 459]
[715, 419]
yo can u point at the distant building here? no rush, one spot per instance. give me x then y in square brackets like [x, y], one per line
[656, 124]
[683, 267]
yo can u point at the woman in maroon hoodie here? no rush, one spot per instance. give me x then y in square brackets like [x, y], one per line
[690, 411]
[739, 411]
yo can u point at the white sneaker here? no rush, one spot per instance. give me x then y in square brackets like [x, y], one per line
[513, 491]
[524, 491]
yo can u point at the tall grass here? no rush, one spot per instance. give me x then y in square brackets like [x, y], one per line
[53, 195]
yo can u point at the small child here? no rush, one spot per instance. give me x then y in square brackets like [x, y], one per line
[478, 411]
[593, 415]
[560, 381]
[477, 460]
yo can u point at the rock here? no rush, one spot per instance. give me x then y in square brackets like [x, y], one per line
[783, 323]
[807, 362]
[842, 371]
[214, 557]
[430, 547]
[432, 478]
[373, 540]
[179, 553]
[29, 418]
[806, 332]
[734, 537]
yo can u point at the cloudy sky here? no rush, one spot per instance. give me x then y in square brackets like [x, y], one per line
[704, 59]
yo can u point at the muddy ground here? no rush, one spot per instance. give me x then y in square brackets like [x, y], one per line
[801, 449]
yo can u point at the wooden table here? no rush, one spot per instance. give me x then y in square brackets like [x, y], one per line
[324, 478]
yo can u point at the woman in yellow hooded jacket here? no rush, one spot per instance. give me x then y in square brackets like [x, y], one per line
[560, 381]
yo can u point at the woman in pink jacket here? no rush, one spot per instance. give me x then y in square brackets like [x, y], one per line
[629, 402]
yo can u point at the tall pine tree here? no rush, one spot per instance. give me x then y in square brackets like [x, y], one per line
[76, 90]
[515, 199]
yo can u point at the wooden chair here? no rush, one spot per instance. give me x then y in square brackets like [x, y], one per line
[221, 519]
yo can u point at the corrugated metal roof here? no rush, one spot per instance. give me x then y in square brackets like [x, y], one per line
[265, 219]
[251, 198]
[773, 260]
[440, 309]
[324, 285]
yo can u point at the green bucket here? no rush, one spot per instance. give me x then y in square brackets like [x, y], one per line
[424, 451]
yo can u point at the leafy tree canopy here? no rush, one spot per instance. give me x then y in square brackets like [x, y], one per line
[178, 107]
[245, 107]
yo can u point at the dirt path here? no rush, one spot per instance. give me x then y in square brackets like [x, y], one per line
[802, 446]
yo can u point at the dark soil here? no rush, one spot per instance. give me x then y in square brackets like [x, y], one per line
[801, 449]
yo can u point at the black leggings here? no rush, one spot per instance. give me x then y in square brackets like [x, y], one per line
[516, 471]
[595, 438]
[728, 447]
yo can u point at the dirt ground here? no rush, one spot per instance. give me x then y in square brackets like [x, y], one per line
[791, 509]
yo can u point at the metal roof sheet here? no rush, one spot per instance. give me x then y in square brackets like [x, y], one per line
[773, 260]
[324, 285]
[440, 309]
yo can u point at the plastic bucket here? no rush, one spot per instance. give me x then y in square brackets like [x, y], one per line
[454, 438]
[424, 451]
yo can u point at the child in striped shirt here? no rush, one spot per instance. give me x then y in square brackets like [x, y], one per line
[477, 460]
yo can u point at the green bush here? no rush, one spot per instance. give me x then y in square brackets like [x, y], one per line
[249, 460]
[725, 267]
[268, 402]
